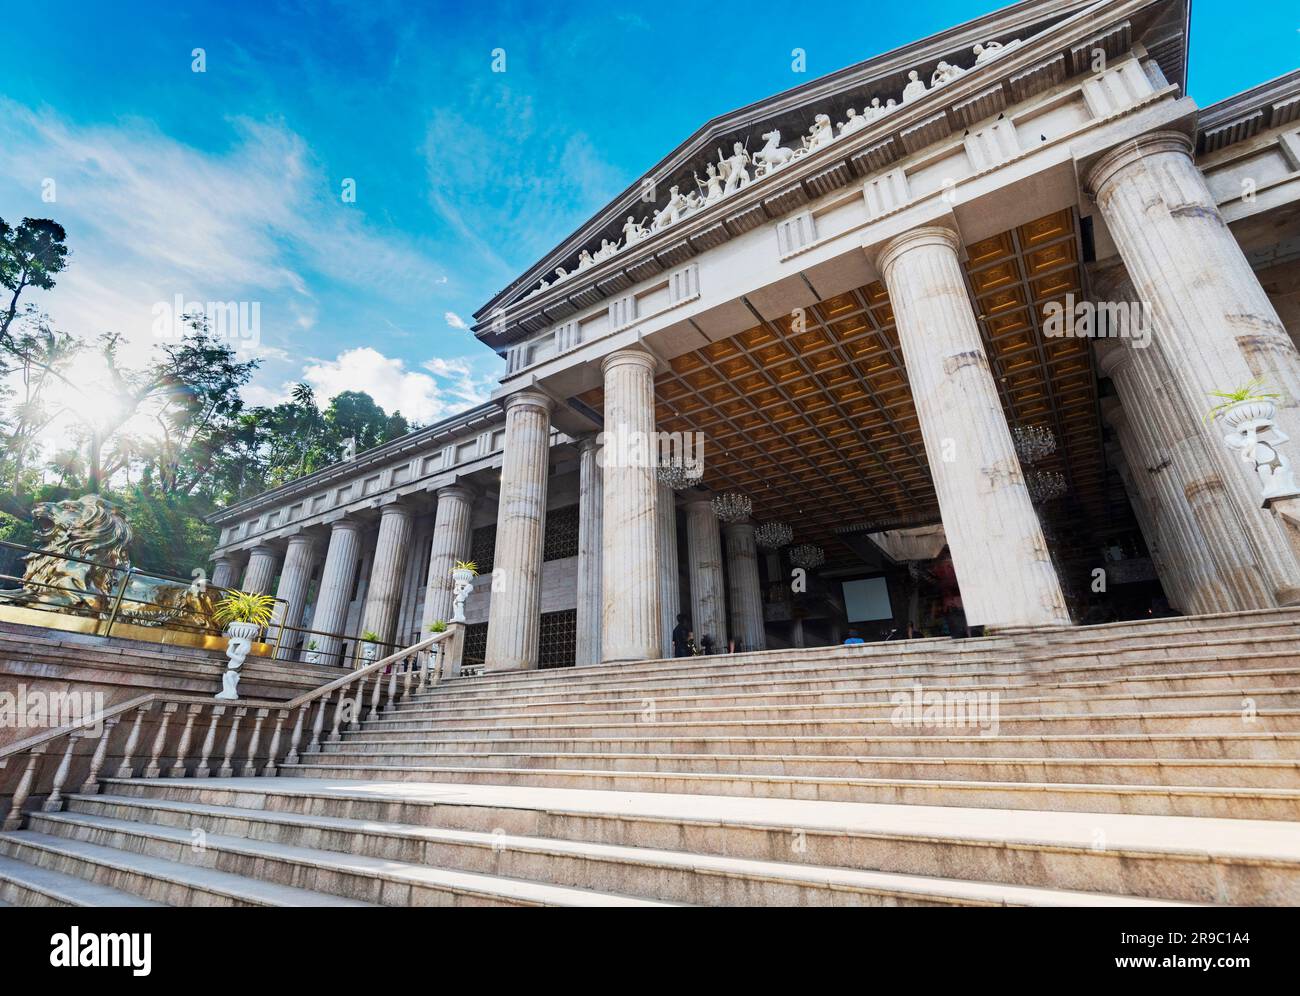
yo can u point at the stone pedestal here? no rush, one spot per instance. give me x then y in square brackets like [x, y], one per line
[744, 593]
[704, 561]
[331, 613]
[631, 622]
[387, 570]
[670, 596]
[514, 615]
[260, 573]
[295, 577]
[591, 552]
[452, 536]
[998, 551]
[1214, 325]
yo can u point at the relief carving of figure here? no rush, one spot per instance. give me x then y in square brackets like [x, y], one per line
[854, 122]
[820, 134]
[945, 73]
[991, 50]
[734, 169]
[633, 231]
[772, 156]
[712, 186]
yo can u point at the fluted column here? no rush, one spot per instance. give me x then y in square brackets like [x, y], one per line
[1201, 537]
[331, 613]
[452, 536]
[387, 570]
[630, 619]
[225, 570]
[260, 572]
[744, 593]
[1214, 324]
[591, 501]
[514, 614]
[704, 561]
[295, 577]
[998, 551]
[670, 596]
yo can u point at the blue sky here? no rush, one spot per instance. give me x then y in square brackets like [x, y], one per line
[225, 185]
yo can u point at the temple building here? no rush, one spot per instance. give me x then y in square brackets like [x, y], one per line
[930, 340]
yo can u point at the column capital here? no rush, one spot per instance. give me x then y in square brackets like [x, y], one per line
[265, 549]
[393, 507]
[528, 398]
[926, 235]
[301, 538]
[456, 492]
[344, 523]
[631, 356]
[1112, 355]
[1134, 151]
[588, 442]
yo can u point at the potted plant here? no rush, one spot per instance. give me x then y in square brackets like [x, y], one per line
[437, 626]
[369, 645]
[464, 571]
[312, 654]
[242, 614]
[1244, 404]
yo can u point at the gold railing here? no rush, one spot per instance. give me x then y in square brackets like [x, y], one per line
[183, 731]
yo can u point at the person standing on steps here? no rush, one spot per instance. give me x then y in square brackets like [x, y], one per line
[681, 637]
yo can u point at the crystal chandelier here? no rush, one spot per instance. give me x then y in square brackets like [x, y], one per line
[732, 506]
[1033, 442]
[679, 476]
[773, 535]
[1045, 485]
[807, 556]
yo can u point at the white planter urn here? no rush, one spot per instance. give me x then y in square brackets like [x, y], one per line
[1256, 436]
[462, 582]
[239, 642]
[369, 652]
[1244, 412]
[311, 656]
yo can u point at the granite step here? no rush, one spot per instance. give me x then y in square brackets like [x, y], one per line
[355, 878]
[22, 884]
[1239, 862]
[1126, 771]
[171, 883]
[1162, 800]
[670, 875]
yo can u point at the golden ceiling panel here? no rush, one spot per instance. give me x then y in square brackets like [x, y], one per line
[1046, 229]
[1050, 257]
[995, 277]
[989, 250]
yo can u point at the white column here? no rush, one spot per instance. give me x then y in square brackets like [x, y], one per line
[295, 577]
[670, 596]
[998, 551]
[331, 613]
[387, 569]
[1214, 324]
[591, 500]
[452, 536]
[744, 593]
[514, 614]
[262, 564]
[225, 570]
[630, 619]
[704, 561]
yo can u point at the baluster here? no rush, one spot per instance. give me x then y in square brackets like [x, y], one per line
[318, 726]
[392, 687]
[227, 766]
[408, 670]
[126, 769]
[375, 693]
[54, 801]
[295, 738]
[356, 714]
[91, 785]
[209, 742]
[339, 708]
[24, 788]
[152, 769]
[177, 770]
[424, 671]
[280, 716]
[250, 764]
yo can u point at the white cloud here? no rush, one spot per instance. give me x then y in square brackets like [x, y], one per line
[447, 387]
[454, 320]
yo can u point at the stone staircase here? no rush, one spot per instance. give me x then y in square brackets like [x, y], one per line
[1140, 763]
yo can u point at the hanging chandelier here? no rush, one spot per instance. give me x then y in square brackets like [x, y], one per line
[807, 556]
[1033, 442]
[679, 476]
[1045, 485]
[732, 506]
[773, 535]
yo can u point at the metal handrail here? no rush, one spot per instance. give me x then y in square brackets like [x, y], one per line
[349, 708]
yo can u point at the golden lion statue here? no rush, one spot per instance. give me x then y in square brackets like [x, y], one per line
[96, 532]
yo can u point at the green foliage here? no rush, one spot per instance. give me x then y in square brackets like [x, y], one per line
[244, 607]
[438, 626]
[370, 636]
[466, 565]
[1253, 391]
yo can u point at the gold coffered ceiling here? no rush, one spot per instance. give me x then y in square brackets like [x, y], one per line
[814, 418]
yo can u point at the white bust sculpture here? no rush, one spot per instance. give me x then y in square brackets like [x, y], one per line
[915, 87]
